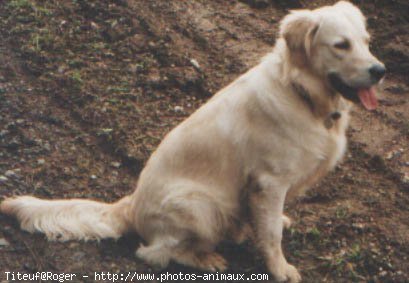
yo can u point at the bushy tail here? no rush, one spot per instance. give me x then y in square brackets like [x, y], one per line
[70, 219]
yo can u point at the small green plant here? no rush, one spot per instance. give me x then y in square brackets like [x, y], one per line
[355, 253]
[76, 77]
[341, 212]
[314, 233]
[19, 4]
[40, 40]
[41, 11]
[122, 87]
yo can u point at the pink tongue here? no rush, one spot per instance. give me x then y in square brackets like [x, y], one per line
[368, 98]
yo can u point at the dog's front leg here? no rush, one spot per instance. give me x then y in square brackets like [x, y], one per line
[267, 205]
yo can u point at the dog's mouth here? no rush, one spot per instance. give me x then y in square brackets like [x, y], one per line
[365, 95]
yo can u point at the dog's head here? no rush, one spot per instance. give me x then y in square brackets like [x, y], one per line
[333, 42]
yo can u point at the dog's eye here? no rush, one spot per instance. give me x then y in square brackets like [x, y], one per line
[344, 45]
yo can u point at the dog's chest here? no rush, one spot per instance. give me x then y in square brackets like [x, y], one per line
[304, 154]
[314, 164]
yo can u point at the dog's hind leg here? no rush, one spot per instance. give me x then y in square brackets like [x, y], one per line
[190, 225]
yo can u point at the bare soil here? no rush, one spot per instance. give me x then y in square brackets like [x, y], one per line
[89, 88]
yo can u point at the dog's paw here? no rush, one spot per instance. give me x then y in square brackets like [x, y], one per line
[287, 221]
[285, 272]
[153, 256]
[212, 262]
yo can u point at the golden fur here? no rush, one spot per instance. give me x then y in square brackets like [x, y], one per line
[247, 147]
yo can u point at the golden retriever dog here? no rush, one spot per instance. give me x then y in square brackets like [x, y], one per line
[267, 136]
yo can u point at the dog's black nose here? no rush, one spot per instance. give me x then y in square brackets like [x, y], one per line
[377, 72]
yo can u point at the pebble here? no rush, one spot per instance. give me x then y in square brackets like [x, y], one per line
[389, 155]
[195, 63]
[3, 178]
[47, 146]
[116, 164]
[4, 242]
[94, 26]
[41, 161]
[61, 69]
[93, 177]
[359, 226]
[106, 131]
[11, 173]
[405, 178]
[383, 273]
[178, 108]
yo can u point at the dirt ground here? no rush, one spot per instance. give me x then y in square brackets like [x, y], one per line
[89, 88]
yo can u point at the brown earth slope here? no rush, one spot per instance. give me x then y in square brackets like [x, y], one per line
[89, 88]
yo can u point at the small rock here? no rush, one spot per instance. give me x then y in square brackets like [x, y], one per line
[105, 131]
[94, 26]
[405, 178]
[10, 173]
[116, 164]
[389, 155]
[4, 242]
[3, 179]
[383, 273]
[47, 146]
[93, 177]
[178, 109]
[61, 69]
[195, 63]
[358, 226]
[41, 161]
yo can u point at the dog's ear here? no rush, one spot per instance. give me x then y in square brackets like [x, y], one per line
[298, 30]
